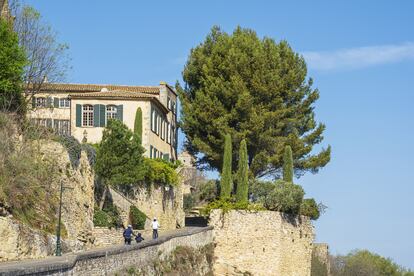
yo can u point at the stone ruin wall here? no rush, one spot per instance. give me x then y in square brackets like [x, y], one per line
[261, 243]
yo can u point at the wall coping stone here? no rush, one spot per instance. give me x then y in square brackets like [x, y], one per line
[68, 261]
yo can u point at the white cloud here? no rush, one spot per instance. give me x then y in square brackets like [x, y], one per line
[359, 57]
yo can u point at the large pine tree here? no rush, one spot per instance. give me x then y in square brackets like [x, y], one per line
[255, 89]
[12, 62]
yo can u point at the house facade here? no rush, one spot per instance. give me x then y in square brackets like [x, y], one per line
[83, 110]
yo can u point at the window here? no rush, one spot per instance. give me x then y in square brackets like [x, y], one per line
[158, 124]
[87, 115]
[61, 127]
[111, 112]
[173, 107]
[41, 102]
[153, 117]
[64, 103]
[162, 129]
[168, 133]
[169, 103]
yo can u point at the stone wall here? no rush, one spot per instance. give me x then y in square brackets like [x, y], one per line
[112, 260]
[262, 243]
[321, 252]
[157, 201]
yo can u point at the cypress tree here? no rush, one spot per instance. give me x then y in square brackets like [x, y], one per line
[242, 174]
[288, 165]
[226, 182]
[138, 124]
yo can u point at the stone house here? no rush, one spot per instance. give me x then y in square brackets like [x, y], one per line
[83, 110]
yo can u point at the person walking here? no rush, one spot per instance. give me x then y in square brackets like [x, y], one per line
[128, 235]
[155, 226]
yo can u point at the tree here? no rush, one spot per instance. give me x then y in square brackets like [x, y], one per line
[120, 155]
[288, 165]
[255, 89]
[12, 60]
[226, 182]
[365, 263]
[138, 124]
[242, 174]
[47, 58]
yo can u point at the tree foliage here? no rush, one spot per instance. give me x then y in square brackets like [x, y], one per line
[288, 165]
[47, 58]
[226, 182]
[250, 88]
[138, 123]
[365, 263]
[242, 190]
[12, 62]
[119, 156]
[136, 217]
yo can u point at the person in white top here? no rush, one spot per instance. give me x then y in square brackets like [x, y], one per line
[155, 226]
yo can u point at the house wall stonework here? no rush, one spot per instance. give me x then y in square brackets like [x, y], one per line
[262, 243]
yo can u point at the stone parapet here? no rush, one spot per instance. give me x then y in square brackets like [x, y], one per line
[112, 259]
[261, 243]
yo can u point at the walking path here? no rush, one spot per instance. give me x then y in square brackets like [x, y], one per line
[66, 261]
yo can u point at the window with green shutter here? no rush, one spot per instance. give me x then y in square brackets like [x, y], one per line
[120, 112]
[56, 102]
[96, 120]
[102, 111]
[78, 115]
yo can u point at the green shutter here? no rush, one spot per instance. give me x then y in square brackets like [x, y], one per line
[56, 102]
[78, 115]
[120, 112]
[33, 102]
[49, 102]
[150, 151]
[102, 115]
[166, 157]
[49, 123]
[96, 121]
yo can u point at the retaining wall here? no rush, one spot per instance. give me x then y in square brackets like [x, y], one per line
[108, 261]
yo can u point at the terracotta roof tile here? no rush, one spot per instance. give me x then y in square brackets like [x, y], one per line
[73, 87]
[113, 94]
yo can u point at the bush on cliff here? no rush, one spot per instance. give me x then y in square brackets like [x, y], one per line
[136, 218]
[285, 197]
[107, 217]
[310, 209]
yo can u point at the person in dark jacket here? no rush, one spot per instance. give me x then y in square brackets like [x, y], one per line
[128, 235]
[139, 238]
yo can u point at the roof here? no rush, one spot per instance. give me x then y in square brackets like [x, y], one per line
[120, 94]
[75, 87]
[113, 94]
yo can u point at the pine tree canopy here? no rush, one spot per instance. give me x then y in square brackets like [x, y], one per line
[255, 89]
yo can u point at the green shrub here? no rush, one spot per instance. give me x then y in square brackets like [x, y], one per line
[226, 182]
[285, 197]
[188, 202]
[228, 204]
[73, 147]
[137, 218]
[100, 218]
[160, 171]
[107, 217]
[310, 209]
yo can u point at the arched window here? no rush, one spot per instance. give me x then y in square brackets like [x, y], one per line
[87, 115]
[111, 112]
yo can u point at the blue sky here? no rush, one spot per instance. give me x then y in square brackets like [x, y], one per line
[360, 54]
